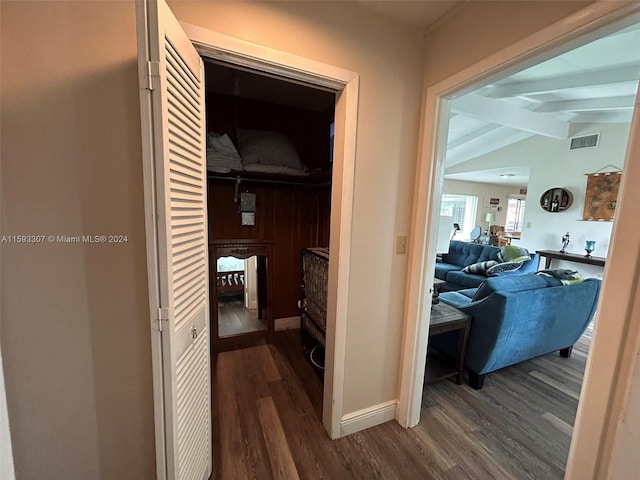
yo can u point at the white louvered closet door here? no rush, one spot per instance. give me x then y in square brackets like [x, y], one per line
[175, 83]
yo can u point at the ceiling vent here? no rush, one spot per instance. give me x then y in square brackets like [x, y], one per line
[586, 141]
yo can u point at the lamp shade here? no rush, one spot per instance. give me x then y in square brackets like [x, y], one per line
[489, 217]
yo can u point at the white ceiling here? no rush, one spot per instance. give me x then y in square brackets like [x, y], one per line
[595, 83]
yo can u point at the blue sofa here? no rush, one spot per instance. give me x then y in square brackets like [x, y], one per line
[518, 318]
[462, 254]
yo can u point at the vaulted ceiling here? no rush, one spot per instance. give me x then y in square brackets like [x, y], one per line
[595, 83]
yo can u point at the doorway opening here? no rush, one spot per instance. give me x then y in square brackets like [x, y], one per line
[342, 85]
[440, 101]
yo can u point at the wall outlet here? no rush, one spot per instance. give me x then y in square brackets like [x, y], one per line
[401, 244]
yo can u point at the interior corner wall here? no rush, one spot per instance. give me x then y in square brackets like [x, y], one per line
[75, 316]
[484, 191]
[551, 164]
[389, 58]
[480, 29]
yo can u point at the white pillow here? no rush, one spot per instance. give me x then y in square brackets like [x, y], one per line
[268, 148]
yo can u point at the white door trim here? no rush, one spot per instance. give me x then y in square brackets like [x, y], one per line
[591, 442]
[238, 52]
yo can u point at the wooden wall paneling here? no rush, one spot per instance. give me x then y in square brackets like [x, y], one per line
[294, 218]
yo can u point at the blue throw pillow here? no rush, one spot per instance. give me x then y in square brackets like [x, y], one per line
[480, 268]
[503, 268]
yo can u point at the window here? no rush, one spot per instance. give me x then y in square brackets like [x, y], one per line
[515, 214]
[463, 209]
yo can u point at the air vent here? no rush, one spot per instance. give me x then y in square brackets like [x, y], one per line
[586, 141]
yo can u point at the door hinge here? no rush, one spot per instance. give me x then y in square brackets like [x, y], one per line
[153, 70]
[163, 316]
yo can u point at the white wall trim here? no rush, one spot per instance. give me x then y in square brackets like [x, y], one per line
[368, 417]
[346, 84]
[149, 184]
[286, 323]
[588, 455]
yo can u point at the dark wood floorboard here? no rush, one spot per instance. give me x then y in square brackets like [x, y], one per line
[268, 402]
[234, 318]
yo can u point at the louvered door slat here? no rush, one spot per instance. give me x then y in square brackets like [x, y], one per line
[176, 109]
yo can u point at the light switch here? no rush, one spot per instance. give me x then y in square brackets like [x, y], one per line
[401, 244]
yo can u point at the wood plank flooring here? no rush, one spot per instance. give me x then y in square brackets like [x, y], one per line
[267, 405]
[234, 318]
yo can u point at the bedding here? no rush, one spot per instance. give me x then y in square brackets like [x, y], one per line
[267, 148]
[259, 151]
[222, 155]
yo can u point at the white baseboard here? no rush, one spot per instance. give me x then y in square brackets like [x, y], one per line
[286, 323]
[368, 417]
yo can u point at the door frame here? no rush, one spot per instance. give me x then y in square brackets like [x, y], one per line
[345, 83]
[611, 361]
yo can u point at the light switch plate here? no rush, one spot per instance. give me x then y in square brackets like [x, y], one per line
[401, 244]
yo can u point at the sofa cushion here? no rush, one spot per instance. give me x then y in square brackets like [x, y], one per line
[513, 253]
[455, 299]
[459, 280]
[462, 253]
[512, 284]
[443, 268]
[501, 268]
[489, 253]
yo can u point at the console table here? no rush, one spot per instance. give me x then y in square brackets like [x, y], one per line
[569, 257]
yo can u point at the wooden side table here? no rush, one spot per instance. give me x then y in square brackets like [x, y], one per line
[445, 318]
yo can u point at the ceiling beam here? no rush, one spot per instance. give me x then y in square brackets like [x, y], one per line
[562, 82]
[474, 135]
[501, 113]
[611, 116]
[589, 104]
[499, 138]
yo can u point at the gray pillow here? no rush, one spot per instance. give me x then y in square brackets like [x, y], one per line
[501, 268]
[268, 148]
[480, 268]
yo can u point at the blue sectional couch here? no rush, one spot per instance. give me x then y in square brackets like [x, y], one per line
[517, 318]
[462, 254]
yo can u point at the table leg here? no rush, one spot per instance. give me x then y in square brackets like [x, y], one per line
[463, 335]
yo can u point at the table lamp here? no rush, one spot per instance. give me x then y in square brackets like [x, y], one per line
[489, 218]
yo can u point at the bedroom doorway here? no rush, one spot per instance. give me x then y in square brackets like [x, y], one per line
[613, 354]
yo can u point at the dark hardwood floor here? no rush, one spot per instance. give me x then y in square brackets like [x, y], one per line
[234, 318]
[267, 403]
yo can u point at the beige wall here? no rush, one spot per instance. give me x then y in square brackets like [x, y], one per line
[75, 335]
[389, 58]
[75, 317]
[485, 27]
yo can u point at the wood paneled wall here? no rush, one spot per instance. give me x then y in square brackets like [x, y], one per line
[293, 217]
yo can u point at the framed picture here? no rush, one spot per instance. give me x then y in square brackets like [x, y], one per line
[601, 196]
